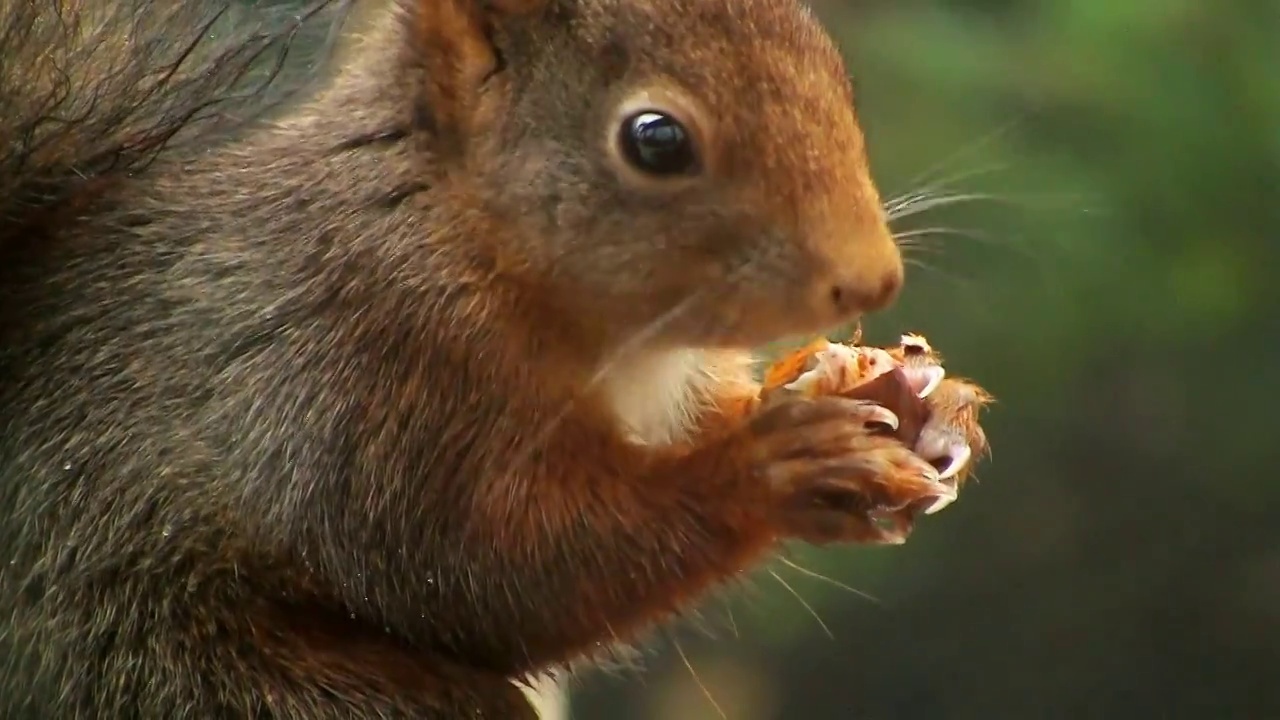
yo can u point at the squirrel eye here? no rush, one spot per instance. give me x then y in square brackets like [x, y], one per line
[657, 144]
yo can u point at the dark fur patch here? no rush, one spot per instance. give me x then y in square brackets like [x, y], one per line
[77, 105]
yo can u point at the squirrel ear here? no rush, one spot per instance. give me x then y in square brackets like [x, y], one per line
[452, 42]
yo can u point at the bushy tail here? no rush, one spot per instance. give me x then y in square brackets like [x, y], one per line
[95, 89]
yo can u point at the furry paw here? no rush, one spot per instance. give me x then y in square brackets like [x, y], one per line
[931, 415]
[832, 467]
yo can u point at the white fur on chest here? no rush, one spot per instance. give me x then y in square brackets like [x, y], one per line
[657, 397]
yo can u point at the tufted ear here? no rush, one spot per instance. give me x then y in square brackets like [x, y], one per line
[452, 42]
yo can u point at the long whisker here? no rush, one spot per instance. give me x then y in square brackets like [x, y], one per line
[964, 176]
[912, 239]
[933, 202]
[916, 234]
[911, 204]
[971, 147]
[733, 623]
[705, 691]
[908, 198]
[941, 186]
[830, 581]
[804, 604]
[967, 285]
[914, 203]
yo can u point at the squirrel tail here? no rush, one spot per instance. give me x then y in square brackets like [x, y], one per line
[92, 90]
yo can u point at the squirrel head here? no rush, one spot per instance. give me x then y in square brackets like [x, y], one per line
[690, 168]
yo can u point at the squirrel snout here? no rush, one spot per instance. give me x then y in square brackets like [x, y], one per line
[864, 277]
[858, 295]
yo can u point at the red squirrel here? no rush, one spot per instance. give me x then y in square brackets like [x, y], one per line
[433, 381]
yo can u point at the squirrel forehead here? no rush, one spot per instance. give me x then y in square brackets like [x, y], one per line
[725, 42]
[769, 58]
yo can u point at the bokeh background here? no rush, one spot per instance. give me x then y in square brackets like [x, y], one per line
[1101, 252]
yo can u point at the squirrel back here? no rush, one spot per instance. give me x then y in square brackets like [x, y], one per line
[433, 382]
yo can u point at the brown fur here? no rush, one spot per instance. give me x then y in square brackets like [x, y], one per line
[378, 408]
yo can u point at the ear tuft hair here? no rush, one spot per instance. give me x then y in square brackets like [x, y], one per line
[452, 42]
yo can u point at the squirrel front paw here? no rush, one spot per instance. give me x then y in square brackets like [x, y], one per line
[950, 437]
[934, 418]
[833, 474]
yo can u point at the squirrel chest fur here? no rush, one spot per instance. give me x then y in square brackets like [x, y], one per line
[438, 380]
[659, 398]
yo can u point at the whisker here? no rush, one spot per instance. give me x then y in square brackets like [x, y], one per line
[940, 231]
[941, 186]
[895, 203]
[804, 604]
[967, 286]
[830, 581]
[912, 240]
[727, 605]
[964, 176]
[937, 201]
[913, 201]
[912, 249]
[923, 201]
[710, 698]
[981, 142]
[962, 282]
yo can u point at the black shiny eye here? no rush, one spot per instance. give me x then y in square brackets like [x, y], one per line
[658, 144]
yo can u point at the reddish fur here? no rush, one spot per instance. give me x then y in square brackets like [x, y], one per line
[313, 423]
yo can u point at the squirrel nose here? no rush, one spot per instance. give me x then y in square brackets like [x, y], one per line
[850, 297]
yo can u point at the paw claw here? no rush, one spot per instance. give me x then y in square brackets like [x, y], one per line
[940, 503]
[929, 473]
[882, 415]
[924, 380]
[944, 494]
[959, 459]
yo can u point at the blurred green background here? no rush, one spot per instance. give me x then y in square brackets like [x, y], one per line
[1119, 556]
[1111, 279]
